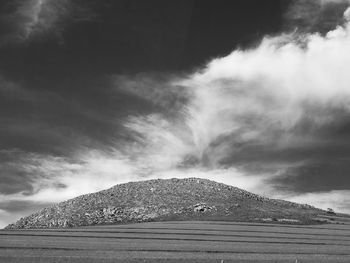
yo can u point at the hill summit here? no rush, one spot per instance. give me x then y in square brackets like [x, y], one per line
[167, 199]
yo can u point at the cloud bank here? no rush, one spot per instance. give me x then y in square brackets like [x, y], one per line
[261, 119]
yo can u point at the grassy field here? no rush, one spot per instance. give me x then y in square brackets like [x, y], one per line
[180, 242]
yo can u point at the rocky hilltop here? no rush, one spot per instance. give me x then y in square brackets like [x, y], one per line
[170, 199]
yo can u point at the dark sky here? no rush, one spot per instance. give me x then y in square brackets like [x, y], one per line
[70, 63]
[116, 90]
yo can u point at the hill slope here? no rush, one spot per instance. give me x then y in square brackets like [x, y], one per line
[170, 199]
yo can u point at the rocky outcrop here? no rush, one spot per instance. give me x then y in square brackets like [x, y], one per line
[171, 199]
[202, 207]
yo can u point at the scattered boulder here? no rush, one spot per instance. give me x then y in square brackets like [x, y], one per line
[201, 207]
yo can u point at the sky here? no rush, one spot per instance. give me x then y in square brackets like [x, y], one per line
[250, 93]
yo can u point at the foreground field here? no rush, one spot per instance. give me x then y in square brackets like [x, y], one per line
[180, 242]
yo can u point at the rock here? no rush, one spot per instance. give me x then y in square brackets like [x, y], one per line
[288, 220]
[201, 207]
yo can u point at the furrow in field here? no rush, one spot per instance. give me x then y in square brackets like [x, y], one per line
[184, 236]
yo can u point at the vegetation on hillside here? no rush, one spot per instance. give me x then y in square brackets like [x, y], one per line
[170, 199]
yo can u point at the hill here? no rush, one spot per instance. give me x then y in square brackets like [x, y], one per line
[168, 199]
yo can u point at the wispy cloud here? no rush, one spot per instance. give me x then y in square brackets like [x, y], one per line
[31, 13]
[35, 19]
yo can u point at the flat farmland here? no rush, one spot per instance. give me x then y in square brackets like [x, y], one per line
[180, 241]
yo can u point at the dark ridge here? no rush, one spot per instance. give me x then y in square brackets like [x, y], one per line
[168, 200]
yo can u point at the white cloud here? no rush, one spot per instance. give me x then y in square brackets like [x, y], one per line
[55, 179]
[161, 144]
[252, 93]
[338, 200]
